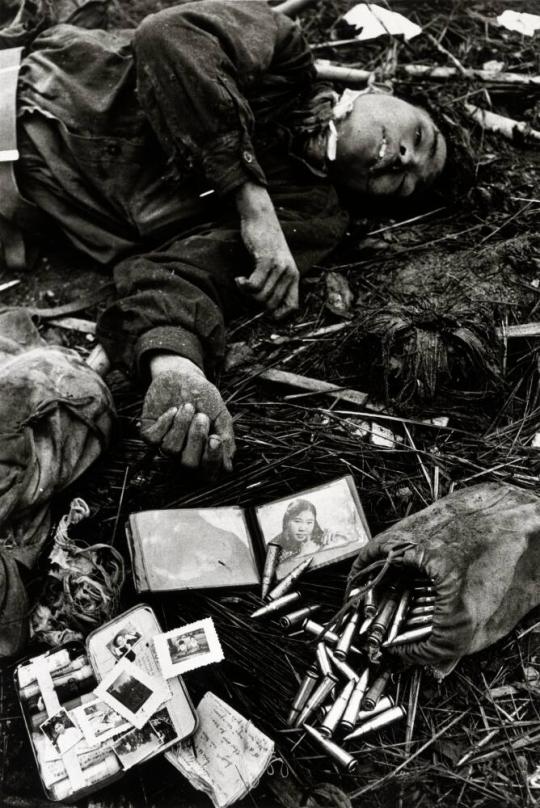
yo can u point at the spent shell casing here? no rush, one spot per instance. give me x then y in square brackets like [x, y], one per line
[349, 717]
[270, 564]
[342, 666]
[425, 600]
[275, 605]
[419, 620]
[415, 635]
[289, 580]
[333, 750]
[323, 659]
[293, 618]
[318, 697]
[305, 690]
[399, 614]
[416, 610]
[375, 690]
[423, 590]
[331, 721]
[382, 705]
[378, 721]
[344, 643]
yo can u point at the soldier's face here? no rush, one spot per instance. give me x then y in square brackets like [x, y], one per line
[387, 147]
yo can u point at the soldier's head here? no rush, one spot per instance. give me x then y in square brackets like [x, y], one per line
[385, 146]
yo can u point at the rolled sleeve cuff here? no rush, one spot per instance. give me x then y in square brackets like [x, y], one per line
[229, 162]
[167, 339]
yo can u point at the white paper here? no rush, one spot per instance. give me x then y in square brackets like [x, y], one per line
[231, 754]
[519, 21]
[374, 21]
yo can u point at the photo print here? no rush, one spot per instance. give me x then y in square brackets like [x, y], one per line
[326, 523]
[133, 693]
[189, 647]
[136, 746]
[61, 731]
[99, 722]
[163, 727]
[122, 645]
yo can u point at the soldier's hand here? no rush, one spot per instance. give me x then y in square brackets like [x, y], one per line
[275, 277]
[185, 416]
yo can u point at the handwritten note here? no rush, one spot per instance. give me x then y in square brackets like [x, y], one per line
[226, 756]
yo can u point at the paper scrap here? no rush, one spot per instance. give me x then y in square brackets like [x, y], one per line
[226, 756]
[519, 21]
[373, 21]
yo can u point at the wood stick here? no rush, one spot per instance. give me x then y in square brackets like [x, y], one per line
[316, 386]
[347, 75]
[521, 330]
[499, 124]
[356, 77]
[444, 73]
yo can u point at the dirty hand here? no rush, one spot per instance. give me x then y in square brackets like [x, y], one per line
[184, 415]
[274, 280]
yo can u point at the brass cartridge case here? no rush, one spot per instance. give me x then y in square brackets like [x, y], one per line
[344, 643]
[349, 717]
[370, 605]
[305, 690]
[382, 705]
[379, 721]
[293, 618]
[288, 582]
[424, 600]
[325, 635]
[317, 630]
[375, 690]
[416, 610]
[342, 666]
[399, 614]
[331, 721]
[270, 563]
[323, 659]
[276, 605]
[333, 750]
[317, 698]
[382, 619]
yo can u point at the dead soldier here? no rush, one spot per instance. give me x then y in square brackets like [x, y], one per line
[199, 157]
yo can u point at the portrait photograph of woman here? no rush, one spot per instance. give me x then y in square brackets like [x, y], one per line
[326, 522]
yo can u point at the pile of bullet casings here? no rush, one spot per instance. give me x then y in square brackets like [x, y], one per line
[344, 692]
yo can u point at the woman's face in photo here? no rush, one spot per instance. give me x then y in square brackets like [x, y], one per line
[301, 526]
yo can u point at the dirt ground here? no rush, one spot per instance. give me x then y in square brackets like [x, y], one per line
[396, 262]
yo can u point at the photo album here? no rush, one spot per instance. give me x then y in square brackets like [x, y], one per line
[205, 548]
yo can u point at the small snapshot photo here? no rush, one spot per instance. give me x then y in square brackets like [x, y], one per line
[61, 731]
[99, 722]
[326, 523]
[184, 649]
[132, 692]
[122, 645]
[164, 727]
[136, 745]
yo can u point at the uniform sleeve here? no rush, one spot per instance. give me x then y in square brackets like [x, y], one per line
[197, 66]
[178, 298]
